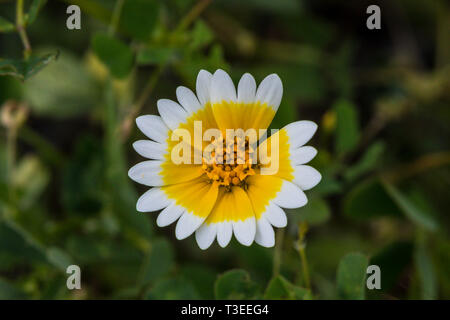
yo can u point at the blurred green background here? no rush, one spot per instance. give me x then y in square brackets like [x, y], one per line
[69, 99]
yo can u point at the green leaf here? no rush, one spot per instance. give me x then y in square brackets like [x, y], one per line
[63, 89]
[9, 292]
[351, 276]
[6, 26]
[59, 258]
[328, 185]
[281, 289]
[176, 288]
[158, 262]
[368, 161]
[316, 212]
[369, 200]
[347, 129]
[426, 272]
[13, 239]
[139, 18]
[197, 60]
[23, 69]
[154, 54]
[116, 55]
[235, 285]
[35, 7]
[201, 35]
[410, 209]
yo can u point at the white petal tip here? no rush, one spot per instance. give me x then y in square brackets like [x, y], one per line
[186, 225]
[245, 231]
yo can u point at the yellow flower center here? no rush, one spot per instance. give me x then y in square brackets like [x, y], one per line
[230, 172]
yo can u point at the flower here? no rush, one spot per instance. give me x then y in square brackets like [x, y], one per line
[218, 196]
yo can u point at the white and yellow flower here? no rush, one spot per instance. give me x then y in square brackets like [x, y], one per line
[219, 200]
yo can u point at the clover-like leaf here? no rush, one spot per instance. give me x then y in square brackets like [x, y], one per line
[280, 288]
[235, 284]
[351, 276]
[116, 55]
[139, 18]
[410, 209]
[24, 69]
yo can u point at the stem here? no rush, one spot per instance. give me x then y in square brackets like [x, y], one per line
[278, 250]
[305, 269]
[136, 108]
[11, 138]
[43, 147]
[302, 230]
[419, 165]
[192, 14]
[115, 18]
[20, 25]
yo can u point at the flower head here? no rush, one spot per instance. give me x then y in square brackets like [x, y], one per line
[213, 168]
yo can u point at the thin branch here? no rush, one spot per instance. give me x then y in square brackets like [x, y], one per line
[419, 165]
[20, 25]
[42, 146]
[278, 252]
[302, 230]
[115, 18]
[192, 15]
[139, 104]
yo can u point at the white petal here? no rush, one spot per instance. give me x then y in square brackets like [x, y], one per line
[265, 236]
[302, 155]
[203, 87]
[188, 100]
[150, 149]
[169, 215]
[245, 231]
[306, 177]
[246, 89]
[224, 233]
[290, 196]
[275, 215]
[300, 132]
[147, 173]
[153, 127]
[205, 235]
[152, 200]
[171, 113]
[270, 91]
[222, 87]
[187, 224]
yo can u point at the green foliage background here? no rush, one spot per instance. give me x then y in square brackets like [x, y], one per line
[70, 97]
